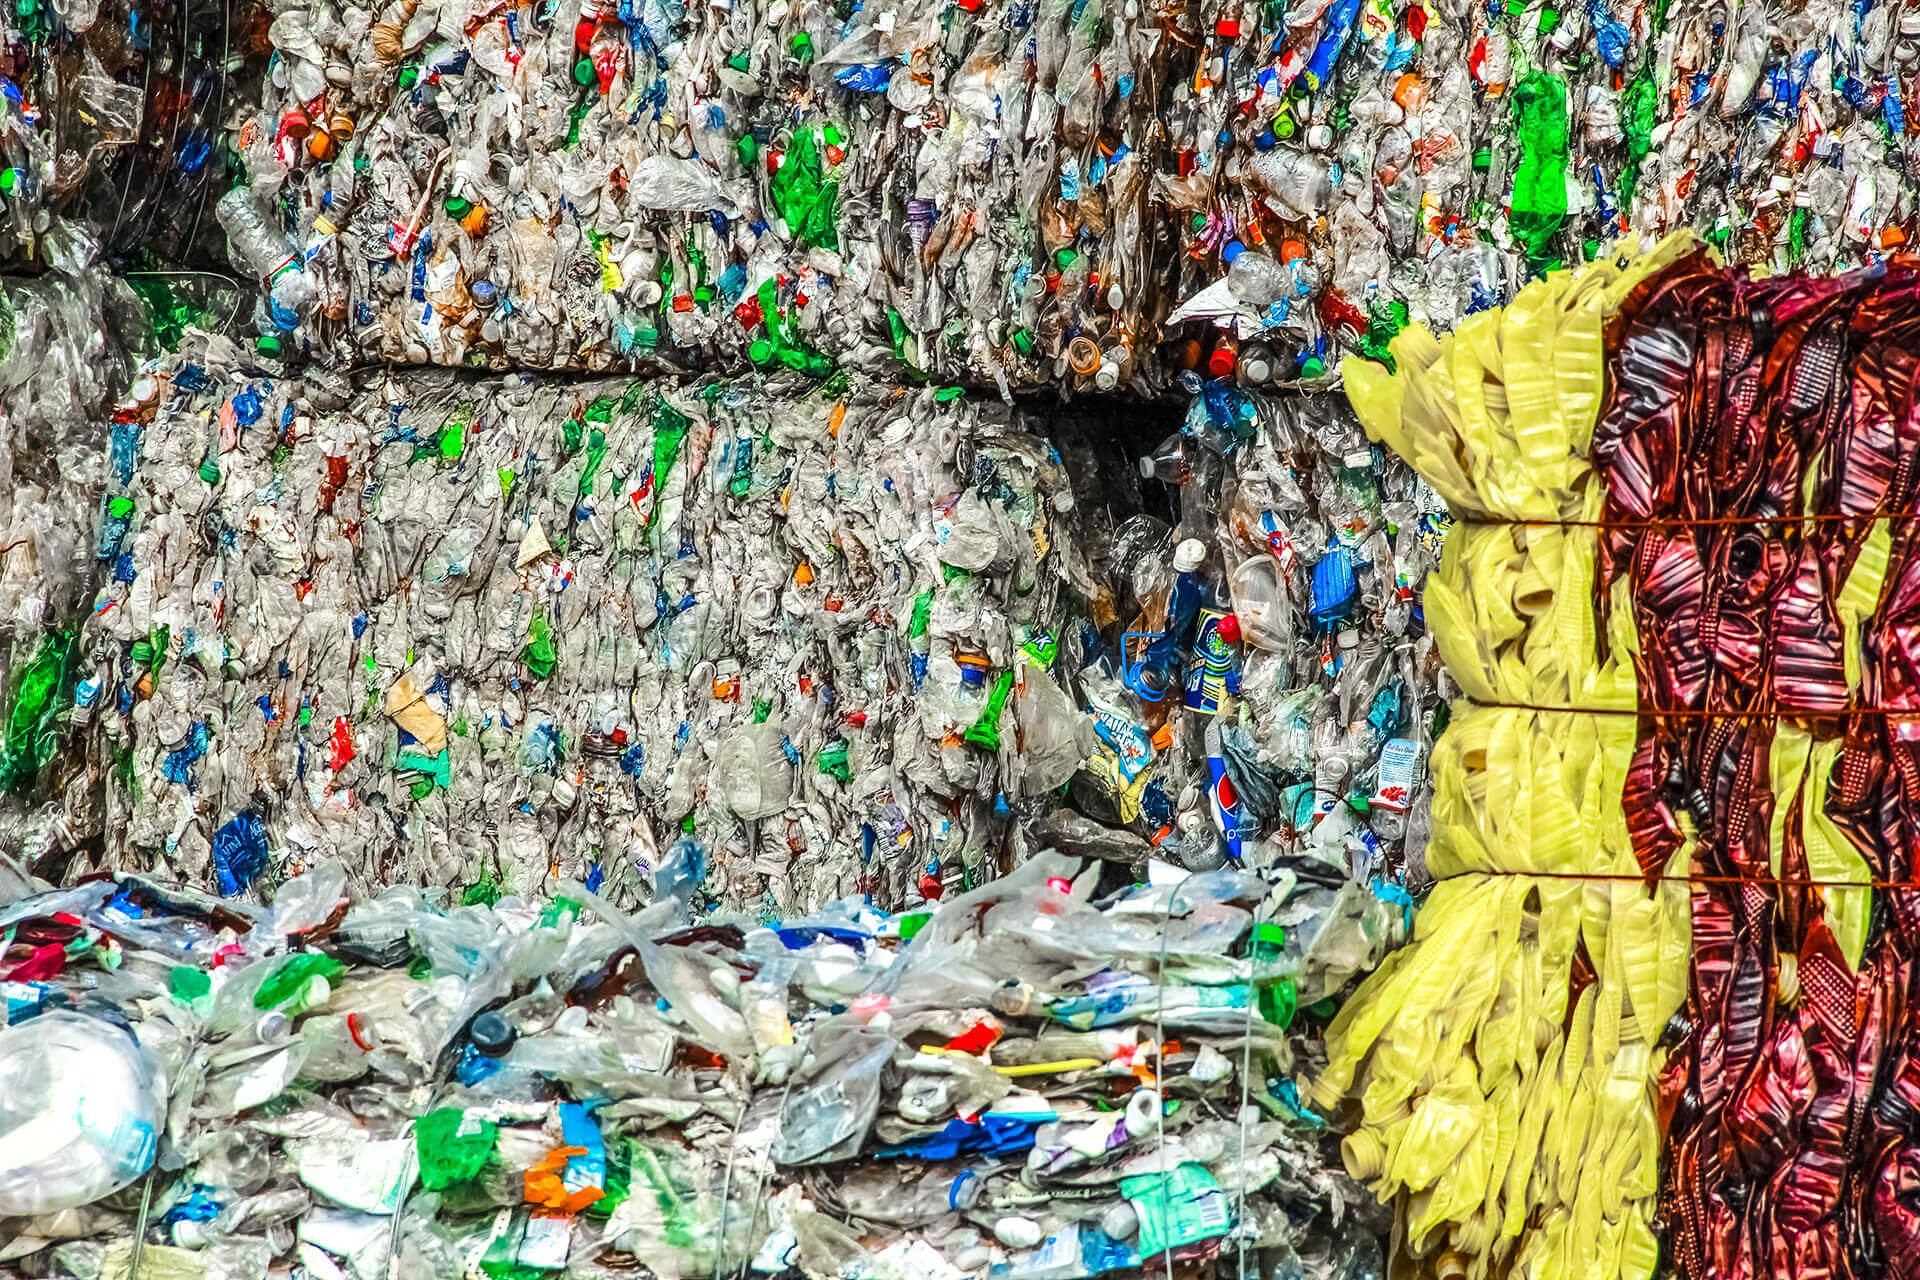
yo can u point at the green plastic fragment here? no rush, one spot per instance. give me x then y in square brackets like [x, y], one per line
[1539, 206]
[33, 720]
[188, 984]
[293, 975]
[1797, 235]
[1639, 105]
[483, 892]
[435, 770]
[1384, 321]
[986, 730]
[669, 429]
[453, 435]
[596, 454]
[539, 654]
[453, 1147]
[832, 761]
[805, 196]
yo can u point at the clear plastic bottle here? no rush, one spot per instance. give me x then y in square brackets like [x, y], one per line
[266, 253]
[1170, 461]
[1260, 601]
[1257, 281]
[752, 775]
[1257, 363]
[1358, 1259]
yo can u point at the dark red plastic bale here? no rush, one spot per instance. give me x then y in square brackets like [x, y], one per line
[1737, 410]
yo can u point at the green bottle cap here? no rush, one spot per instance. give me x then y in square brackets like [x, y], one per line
[457, 207]
[583, 71]
[1268, 940]
[269, 345]
[761, 351]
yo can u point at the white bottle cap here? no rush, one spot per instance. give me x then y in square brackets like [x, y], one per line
[1189, 555]
[1146, 468]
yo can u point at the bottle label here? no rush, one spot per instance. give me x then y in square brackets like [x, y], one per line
[1399, 772]
[1129, 741]
[1213, 672]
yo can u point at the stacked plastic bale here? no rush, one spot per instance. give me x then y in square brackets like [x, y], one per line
[515, 629]
[575, 186]
[1027, 194]
[106, 129]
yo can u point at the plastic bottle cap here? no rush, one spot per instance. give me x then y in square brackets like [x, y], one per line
[1229, 628]
[1233, 250]
[492, 1034]
[1189, 555]
[482, 291]
[1083, 356]
[1221, 362]
[1146, 468]
[1268, 941]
